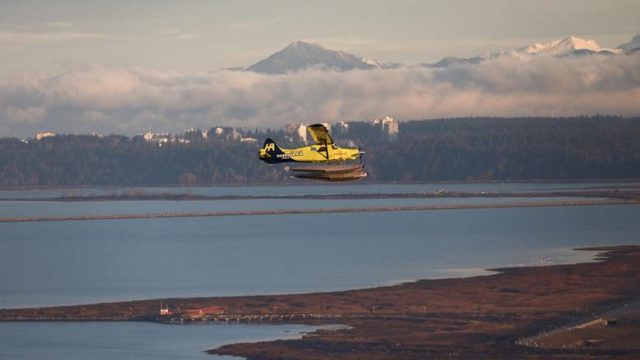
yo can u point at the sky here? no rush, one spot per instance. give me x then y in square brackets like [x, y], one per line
[131, 66]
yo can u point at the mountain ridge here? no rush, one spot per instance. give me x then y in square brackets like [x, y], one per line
[304, 55]
[563, 46]
[632, 45]
[570, 46]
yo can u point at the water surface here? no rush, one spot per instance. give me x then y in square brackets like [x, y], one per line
[71, 262]
[51, 263]
[130, 340]
[319, 189]
[19, 209]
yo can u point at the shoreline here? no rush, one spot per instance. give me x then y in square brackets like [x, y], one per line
[589, 202]
[632, 192]
[479, 316]
[314, 183]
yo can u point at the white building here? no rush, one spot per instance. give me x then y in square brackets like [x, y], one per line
[164, 309]
[157, 138]
[389, 126]
[249, 140]
[297, 132]
[302, 132]
[44, 134]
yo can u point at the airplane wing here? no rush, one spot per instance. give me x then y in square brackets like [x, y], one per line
[320, 134]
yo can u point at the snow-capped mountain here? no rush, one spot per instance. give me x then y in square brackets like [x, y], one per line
[301, 55]
[378, 64]
[568, 46]
[632, 45]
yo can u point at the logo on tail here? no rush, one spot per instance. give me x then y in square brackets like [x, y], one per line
[271, 153]
[269, 147]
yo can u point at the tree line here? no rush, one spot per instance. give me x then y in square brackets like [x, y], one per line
[488, 149]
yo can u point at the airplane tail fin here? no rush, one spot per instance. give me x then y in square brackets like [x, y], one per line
[270, 151]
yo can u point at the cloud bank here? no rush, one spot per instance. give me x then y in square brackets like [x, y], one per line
[124, 100]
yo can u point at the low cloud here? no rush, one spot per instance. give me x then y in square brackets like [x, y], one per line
[124, 100]
[29, 114]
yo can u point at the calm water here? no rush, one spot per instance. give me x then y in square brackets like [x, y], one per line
[135, 341]
[12, 209]
[51, 263]
[352, 188]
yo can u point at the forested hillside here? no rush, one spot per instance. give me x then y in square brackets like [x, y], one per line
[511, 149]
[429, 150]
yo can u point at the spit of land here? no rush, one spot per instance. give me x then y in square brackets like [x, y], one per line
[516, 313]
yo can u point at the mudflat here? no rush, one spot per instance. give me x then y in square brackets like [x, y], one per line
[465, 318]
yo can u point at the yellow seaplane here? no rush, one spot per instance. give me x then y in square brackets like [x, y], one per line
[329, 157]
